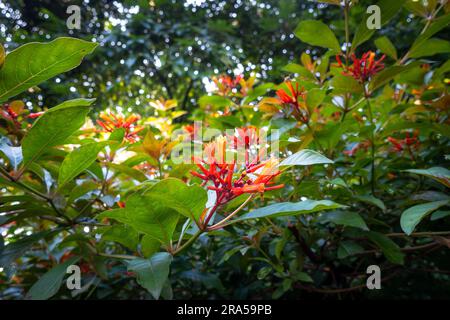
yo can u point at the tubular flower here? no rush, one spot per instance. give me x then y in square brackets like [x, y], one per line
[294, 99]
[409, 143]
[226, 84]
[363, 68]
[35, 115]
[227, 179]
[111, 122]
[244, 140]
[190, 130]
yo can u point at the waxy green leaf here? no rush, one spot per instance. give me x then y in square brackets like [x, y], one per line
[317, 33]
[35, 62]
[290, 209]
[49, 284]
[79, 160]
[152, 273]
[54, 127]
[411, 217]
[305, 157]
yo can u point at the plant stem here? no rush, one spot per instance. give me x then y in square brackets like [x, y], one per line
[419, 234]
[429, 20]
[372, 145]
[347, 32]
[315, 138]
[160, 169]
[117, 256]
[220, 223]
[35, 192]
[188, 243]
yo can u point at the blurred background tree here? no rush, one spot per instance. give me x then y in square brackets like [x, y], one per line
[171, 48]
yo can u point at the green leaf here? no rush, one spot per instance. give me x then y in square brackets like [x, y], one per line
[149, 246]
[388, 9]
[411, 217]
[390, 249]
[154, 218]
[345, 84]
[440, 214]
[2, 56]
[152, 273]
[372, 200]
[304, 277]
[14, 154]
[117, 135]
[290, 209]
[416, 7]
[437, 173]
[122, 234]
[437, 25]
[49, 284]
[80, 190]
[301, 70]
[214, 101]
[16, 249]
[79, 160]
[131, 172]
[314, 98]
[348, 248]
[346, 218]
[54, 127]
[34, 62]
[264, 272]
[305, 157]
[388, 74]
[385, 45]
[430, 47]
[317, 33]
[175, 194]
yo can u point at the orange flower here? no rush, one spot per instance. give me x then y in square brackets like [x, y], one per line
[111, 122]
[363, 68]
[294, 99]
[409, 143]
[226, 84]
[254, 177]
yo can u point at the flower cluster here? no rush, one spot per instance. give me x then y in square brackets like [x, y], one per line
[409, 143]
[14, 113]
[228, 178]
[112, 122]
[294, 99]
[362, 68]
[225, 84]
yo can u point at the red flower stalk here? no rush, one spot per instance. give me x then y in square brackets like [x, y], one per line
[111, 122]
[409, 143]
[229, 181]
[295, 100]
[363, 68]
